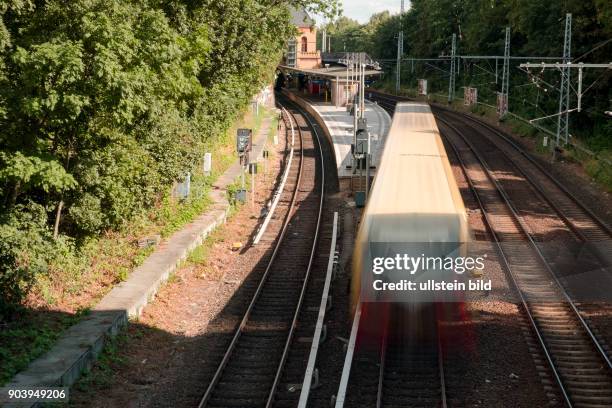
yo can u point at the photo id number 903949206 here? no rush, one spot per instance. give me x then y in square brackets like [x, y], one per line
[13, 395]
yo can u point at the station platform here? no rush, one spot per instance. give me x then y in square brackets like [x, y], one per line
[339, 124]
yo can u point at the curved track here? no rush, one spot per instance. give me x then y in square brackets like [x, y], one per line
[576, 356]
[254, 361]
[578, 361]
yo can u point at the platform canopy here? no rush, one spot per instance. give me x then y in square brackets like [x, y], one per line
[327, 73]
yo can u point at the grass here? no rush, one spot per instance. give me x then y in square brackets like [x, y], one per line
[31, 335]
[109, 360]
[79, 279]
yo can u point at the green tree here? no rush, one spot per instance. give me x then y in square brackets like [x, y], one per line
[105, 103]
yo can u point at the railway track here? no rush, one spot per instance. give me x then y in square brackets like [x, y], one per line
[405, 370]
[411, 373]
[577, 358]
[585, 224]
[254, 362]
[579, 363]
[579, 220]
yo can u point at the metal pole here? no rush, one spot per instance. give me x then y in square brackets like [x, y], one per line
[323, 41]
[495, 70]
[347, 89]
[506, 76]
[451, 82]
[337, 90]
[363, 87]
[367, 186]
[563, 119]
[242, 174]
[362, 90]
[579, 89]
[352, 67]
[400, 51]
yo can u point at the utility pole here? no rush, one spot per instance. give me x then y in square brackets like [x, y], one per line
[400, 51]
[579, 93]
[505, 76]
[324, 41]
[362, 84]
[451, 82]
[563, 119]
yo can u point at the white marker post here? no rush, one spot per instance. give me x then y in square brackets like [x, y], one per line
[207, 164]
[253, 172]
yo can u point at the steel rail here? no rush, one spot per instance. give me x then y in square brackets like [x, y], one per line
[441, 368]
[506, 265]
[316, 339]
[571, 225]
[381, 371]
[348, 359]
[383, 363]
[602, 224]
[537, 186]
[310, 262]
[525, 231]
[260, 286]
[279, 192]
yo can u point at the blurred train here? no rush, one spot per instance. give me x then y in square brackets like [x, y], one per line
[414, 207]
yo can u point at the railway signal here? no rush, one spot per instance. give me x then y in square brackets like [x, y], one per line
[361, 155]
[244, 143]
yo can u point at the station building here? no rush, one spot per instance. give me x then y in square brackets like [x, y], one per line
[302, 50]
[303, 66]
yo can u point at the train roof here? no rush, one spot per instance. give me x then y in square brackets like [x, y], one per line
[414, 176]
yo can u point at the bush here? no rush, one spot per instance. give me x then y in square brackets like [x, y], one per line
[25, 244]
[600, 172]
[104, 104]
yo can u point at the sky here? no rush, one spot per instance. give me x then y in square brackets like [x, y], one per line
[361, 10]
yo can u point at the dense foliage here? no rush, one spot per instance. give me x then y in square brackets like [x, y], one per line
[537, 29]
[105, 103]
